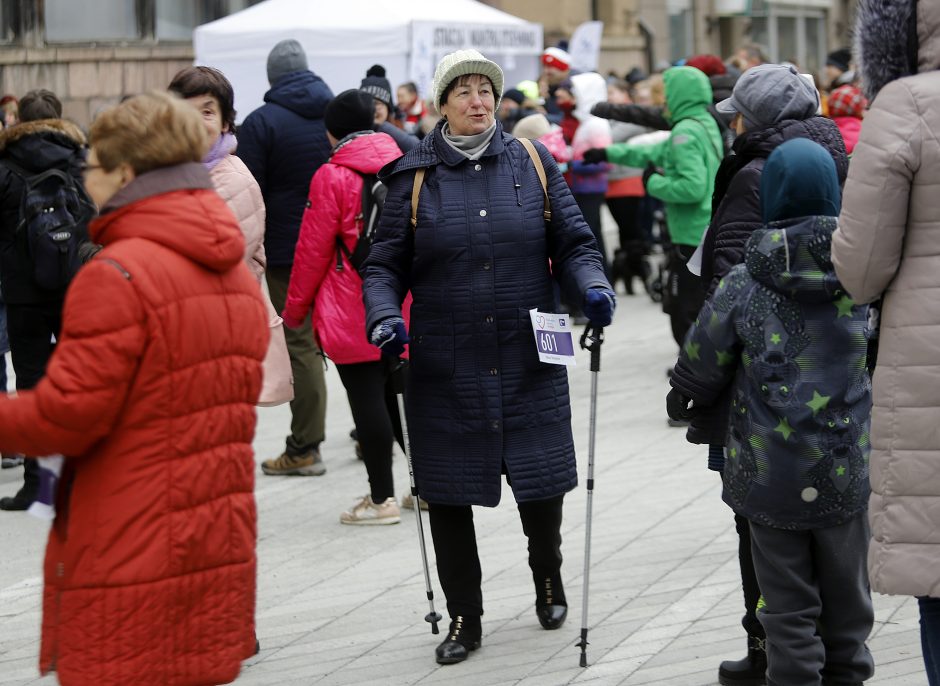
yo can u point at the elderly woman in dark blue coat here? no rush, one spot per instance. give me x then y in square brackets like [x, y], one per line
[480, 403]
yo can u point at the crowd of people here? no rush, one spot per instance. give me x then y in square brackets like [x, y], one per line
[407, 238]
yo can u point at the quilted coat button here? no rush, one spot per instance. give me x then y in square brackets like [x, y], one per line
[486, 266]
[494, 424]
[488, 319]
[478, 167]
[482, 213]
[494, 371]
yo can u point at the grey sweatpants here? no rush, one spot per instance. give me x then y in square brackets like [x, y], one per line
[818, 611]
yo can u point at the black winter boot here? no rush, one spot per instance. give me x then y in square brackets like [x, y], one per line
[551, 607]
[462, 637]
[748, 671]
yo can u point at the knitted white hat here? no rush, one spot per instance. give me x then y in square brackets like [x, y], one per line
[461, 63]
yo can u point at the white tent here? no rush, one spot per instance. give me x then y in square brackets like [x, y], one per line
[345, 37]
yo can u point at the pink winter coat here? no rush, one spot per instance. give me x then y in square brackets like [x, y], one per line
[333, 208]
[238, 188]
[850, 128]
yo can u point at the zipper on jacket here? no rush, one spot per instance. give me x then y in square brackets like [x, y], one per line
[117, 265]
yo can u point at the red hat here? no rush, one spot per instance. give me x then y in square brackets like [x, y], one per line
[557, 58]
[847, 101]
[710, 65]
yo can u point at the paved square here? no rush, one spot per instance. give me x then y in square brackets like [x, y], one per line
[344, 605]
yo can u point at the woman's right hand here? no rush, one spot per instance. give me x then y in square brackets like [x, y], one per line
[390, 336]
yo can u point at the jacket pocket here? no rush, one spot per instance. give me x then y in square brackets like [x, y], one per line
[431, 351]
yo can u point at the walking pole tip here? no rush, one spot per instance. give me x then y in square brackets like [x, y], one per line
[433, 618]
[583, 644]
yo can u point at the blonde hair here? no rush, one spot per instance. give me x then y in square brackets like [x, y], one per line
[148, 132]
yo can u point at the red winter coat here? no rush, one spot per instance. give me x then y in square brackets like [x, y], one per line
[150, 564]
[335, 202]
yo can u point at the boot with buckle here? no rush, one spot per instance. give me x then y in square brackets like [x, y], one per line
[550, 605]
[748, 671]
[462, 638]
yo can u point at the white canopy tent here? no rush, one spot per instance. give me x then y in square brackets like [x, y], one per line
[344, 38]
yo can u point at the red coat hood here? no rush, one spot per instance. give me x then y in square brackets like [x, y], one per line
[178, 208]
[366, 153]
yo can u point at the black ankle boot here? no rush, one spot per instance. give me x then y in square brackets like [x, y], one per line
[748, 671]
[462, 637]
[550, 605]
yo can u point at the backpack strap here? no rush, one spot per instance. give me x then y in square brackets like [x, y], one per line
[415, 192]
[540, 170]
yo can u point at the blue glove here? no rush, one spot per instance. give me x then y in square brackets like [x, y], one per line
[599, 305]
[390, 336]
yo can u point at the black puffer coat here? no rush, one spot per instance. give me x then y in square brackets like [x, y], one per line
[479, 400]
[737, 214]
[35, 147]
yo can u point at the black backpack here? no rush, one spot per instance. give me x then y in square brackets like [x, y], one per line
[54, 213]
[373, 201]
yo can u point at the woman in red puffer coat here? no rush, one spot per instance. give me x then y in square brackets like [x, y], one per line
[150, 565]
[323, 275]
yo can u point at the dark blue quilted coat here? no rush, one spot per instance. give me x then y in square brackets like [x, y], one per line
[283, 143]
[478, 397]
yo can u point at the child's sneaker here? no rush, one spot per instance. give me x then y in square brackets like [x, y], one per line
[408, 502]
[367, 513]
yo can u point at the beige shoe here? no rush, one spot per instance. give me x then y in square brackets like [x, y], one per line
[408, 502]
[308, 464]
[367, 513]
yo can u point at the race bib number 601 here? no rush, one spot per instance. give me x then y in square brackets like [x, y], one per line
[553, 338]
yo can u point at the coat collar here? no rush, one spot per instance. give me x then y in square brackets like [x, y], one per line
[435, 150]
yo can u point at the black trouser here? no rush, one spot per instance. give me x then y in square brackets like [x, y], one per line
[455, 546]
[626, 212]
[590, 204]
[749, 584]
[688, 292]
[31, 329]
[375, 413]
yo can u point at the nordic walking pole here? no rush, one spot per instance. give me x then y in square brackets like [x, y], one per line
[398, 385]
[591, 340]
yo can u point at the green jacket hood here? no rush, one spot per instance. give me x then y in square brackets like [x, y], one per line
[688, 93]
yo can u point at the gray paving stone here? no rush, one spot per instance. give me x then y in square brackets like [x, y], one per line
[338, 605]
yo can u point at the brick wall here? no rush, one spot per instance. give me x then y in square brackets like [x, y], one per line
[88, 79]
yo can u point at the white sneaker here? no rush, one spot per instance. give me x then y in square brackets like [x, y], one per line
[368, 513]
[408, 502]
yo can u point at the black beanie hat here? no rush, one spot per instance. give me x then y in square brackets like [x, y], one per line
[514, 94]
[349, 112]
[376, 85]
[839, 59]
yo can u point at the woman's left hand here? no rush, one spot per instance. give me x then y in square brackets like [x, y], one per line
[599, 305]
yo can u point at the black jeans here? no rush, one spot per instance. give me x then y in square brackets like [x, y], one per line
[749, 583]
[626, 212]
[590, 204]
[930, 637]
[31, 329]
[375, 413]
[455, 546]
[688, 292]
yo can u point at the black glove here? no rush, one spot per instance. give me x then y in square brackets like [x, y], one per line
[678, 407]
[602, 110]
[595, 155]
[648, 172]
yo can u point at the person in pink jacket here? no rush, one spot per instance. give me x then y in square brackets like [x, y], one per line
[212, 95]
[322, 273]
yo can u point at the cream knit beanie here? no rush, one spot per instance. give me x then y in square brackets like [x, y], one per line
[461, 63]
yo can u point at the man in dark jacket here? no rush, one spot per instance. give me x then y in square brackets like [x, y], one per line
[770, 105]
[41, 141]
[283, 143]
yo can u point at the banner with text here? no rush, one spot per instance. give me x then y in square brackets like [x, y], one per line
[502, 43]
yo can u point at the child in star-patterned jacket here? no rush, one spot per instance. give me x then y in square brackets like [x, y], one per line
[782, 330]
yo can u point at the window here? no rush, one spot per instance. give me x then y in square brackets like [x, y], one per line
[6, 21]
[787, 50]
[90, 20]
[176, 19]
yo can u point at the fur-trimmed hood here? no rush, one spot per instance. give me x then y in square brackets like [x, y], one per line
[53, 127]
[894, 39]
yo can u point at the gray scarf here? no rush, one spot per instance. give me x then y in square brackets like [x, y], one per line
[471, 147]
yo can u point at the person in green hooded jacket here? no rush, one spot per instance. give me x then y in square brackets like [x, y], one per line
[680, 171]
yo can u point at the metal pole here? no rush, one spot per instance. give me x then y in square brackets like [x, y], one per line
[398, 385]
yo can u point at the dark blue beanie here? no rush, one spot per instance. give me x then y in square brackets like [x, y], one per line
[799, 180]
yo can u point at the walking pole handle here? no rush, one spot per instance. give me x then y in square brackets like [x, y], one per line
[591, 340]
[397, 374]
